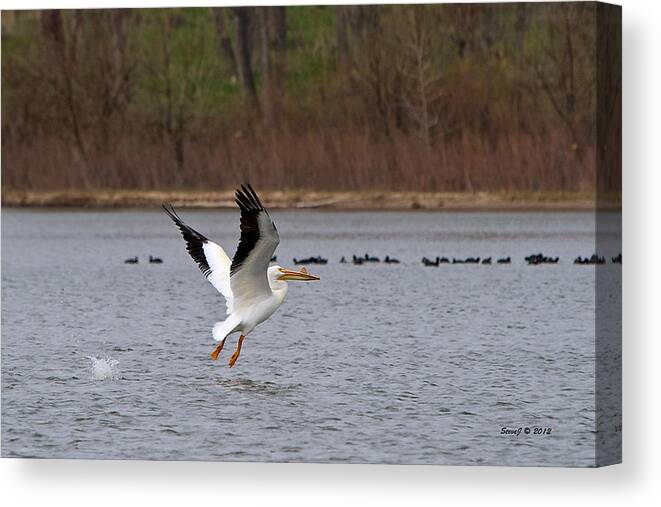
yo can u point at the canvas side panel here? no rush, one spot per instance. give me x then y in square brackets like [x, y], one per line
[608, 278]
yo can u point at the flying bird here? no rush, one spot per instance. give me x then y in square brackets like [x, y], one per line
[253, 291]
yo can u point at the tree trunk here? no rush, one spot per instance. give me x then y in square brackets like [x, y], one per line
[273, 43]
[520, 29]
[342, 33]
[242, 54]
[224, 41]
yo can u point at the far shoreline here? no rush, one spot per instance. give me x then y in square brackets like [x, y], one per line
[312, 199]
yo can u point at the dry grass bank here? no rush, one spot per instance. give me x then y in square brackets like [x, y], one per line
[308, 199]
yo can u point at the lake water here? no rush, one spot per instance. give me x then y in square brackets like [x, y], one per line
[376, 363]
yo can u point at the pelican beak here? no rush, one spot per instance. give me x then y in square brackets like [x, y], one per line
[298, 276]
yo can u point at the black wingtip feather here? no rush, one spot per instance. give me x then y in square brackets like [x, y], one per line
[255, 196]
[194, 240]
[248, 200]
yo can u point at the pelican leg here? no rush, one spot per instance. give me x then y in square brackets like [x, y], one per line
[216, 351]
[235, 356]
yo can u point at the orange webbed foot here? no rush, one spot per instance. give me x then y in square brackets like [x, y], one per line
[237, 352]
[216, 351]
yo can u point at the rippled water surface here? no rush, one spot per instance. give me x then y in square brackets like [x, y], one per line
[379, 363]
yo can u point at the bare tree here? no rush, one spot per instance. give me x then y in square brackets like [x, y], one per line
[179, 69]
[110, 80]
[61, 54]
[566, 74]
[424, 90]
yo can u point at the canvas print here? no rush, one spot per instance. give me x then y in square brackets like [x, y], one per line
[340, 234]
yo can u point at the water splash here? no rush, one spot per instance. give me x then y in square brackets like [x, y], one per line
[103, 368]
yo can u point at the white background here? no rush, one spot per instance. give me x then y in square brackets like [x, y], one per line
[120, 483]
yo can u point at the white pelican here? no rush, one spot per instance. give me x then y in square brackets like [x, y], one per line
[253, 291]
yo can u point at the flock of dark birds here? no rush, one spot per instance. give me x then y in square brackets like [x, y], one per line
[308, 260]
[152, 260]
[532, 260]
[541, 259]
[596, 259]
[468, 260]
[366, 259]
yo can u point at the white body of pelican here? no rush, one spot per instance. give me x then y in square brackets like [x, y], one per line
[253, 291]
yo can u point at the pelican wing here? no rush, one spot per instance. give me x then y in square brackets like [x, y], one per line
[209, 256]
[259, 239]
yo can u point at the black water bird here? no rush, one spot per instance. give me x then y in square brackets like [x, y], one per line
[358, 260]
[367, 258]
[155, 260]
[444, 260]
[504, 260]
[534, 259]
[428, 262]
[486, 261]
[132, 260]
[540, 258]
[343, 260]
[390, 260]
